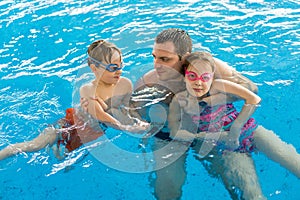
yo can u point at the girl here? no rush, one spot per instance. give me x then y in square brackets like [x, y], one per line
[108, 96]
[191, 118]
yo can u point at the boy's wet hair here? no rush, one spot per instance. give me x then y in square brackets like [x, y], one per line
[180, 38]
[102, 51]
[199, 56]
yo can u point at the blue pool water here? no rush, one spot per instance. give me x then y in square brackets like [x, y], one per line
[43, 45]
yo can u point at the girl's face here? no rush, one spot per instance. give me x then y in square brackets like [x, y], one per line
[109, 76]
[198, 78]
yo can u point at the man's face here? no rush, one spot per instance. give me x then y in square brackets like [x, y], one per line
[166, 61]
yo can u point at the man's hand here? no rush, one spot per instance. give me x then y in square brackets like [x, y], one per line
[139, 128]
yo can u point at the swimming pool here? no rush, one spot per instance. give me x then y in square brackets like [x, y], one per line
[43, 45]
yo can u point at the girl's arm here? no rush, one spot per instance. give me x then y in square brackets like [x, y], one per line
[174, 117]
[175, 121]
[226, 72]
[178, 133]
[251, 102]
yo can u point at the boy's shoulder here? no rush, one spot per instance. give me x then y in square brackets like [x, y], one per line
[86, 89]
[125, 80]
[124, 85]
[87, 86]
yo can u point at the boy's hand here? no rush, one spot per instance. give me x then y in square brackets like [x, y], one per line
[84, 103]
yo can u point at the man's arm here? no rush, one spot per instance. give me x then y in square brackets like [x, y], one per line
[224, 71]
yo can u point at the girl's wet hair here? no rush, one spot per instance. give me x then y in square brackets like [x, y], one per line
[102, 51]
[199, 56]
[180, 38]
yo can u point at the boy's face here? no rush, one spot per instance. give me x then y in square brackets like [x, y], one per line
[106, 76]
[166, 61]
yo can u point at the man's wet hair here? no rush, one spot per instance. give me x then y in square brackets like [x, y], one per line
[180, 38]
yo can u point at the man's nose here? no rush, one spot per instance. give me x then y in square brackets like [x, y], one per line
[157, 65]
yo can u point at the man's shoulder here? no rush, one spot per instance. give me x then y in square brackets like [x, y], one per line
[148, 79]
[182, 94]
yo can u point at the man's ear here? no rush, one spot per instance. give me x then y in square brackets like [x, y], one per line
[184, 56]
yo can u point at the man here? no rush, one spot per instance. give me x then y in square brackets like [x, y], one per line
[153, 93]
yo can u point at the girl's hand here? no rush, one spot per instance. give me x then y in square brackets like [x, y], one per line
[233, 138]
[189, 104]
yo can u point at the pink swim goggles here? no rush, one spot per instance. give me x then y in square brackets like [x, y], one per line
[192, 76]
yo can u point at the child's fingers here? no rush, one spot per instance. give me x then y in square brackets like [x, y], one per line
[84, 103]
[101, 102]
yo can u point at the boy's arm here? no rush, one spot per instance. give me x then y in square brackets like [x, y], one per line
[125, 87]
[94, 107]
[140, 89]
[98, 112]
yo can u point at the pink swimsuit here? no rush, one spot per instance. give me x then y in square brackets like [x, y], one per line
[217, 118]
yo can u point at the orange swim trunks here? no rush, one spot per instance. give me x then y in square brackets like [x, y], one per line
[75, 132]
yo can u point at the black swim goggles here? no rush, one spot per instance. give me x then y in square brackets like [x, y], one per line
[108, 67]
